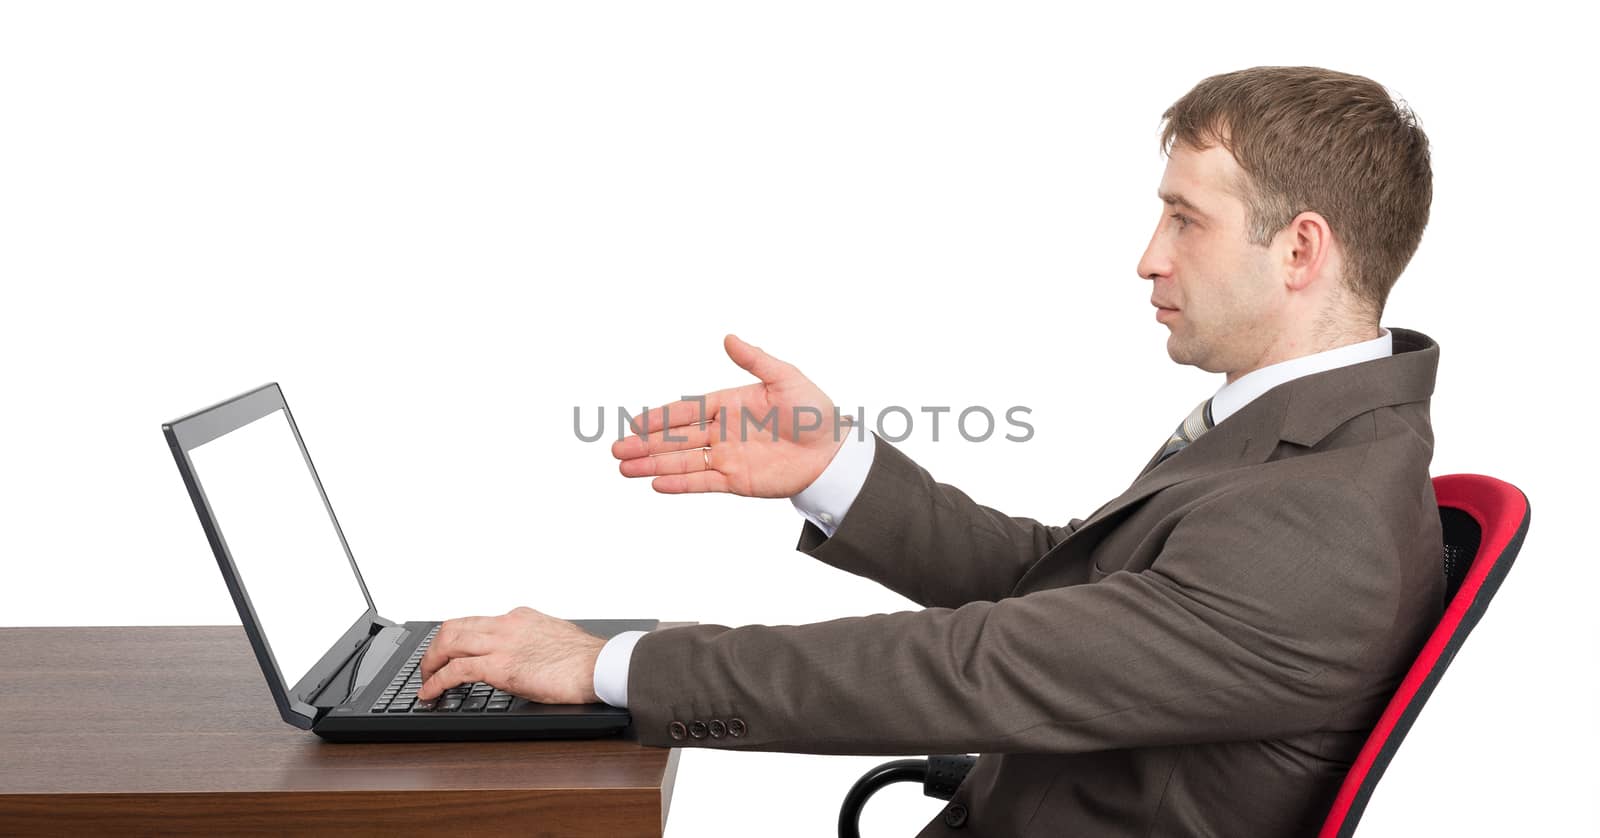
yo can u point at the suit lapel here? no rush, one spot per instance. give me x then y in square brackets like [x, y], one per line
[1302, 411]
[1231, 444]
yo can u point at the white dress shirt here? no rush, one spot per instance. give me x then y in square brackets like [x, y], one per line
[825, 502]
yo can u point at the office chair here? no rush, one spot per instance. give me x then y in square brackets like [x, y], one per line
[1484, 521]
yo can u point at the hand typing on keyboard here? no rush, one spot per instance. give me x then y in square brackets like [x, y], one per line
[522, 652]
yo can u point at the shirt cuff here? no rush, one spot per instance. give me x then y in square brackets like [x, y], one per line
[828, 498]
[611, 668]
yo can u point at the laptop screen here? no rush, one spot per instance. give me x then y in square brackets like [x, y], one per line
[282, 539]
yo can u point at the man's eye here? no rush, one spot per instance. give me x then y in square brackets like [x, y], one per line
[1183, 220]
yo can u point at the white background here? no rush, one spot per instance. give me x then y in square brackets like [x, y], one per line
[441, 227]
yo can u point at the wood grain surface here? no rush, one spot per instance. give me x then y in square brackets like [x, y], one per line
[171, 730]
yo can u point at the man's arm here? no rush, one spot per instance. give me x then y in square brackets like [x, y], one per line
[1247, 626]
[921, 538]
[824, 504]
[982, 561]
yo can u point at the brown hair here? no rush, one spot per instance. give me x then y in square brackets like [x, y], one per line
[1314, 139]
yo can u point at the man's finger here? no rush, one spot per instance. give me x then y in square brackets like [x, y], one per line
[454, 642]
[656, 442]
[695, 481]
[676, 414]
[487, 625]
[457, 671]
[674, 462]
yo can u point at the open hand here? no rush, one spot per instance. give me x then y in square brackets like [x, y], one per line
[714, 450]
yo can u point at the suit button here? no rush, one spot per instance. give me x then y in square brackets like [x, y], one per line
[717, 728]
[697, 729]
[677, 731]
[955, 815]
[736, 727]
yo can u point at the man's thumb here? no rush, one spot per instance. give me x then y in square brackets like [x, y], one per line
[757, 362]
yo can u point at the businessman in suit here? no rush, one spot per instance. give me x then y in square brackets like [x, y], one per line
[1202, 655]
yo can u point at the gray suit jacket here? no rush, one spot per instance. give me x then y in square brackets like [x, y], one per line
[1202, 655]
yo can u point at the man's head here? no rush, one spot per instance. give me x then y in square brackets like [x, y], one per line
[1293, 197]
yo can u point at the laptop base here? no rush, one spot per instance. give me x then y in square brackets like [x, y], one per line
[355, 721]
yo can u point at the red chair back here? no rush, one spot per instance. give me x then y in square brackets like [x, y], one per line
[1484, 522]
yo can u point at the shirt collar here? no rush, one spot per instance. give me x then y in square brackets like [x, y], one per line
[1244, 389]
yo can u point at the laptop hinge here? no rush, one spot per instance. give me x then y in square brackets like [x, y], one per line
[341, 679]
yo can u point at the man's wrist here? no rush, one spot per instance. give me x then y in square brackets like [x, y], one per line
[592, 659]
[831, 495]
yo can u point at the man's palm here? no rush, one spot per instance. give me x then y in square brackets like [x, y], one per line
[769, 439]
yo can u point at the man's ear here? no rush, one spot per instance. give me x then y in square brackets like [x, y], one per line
[1311, 252]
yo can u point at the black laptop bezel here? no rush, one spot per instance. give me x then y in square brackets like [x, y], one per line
[297, 703]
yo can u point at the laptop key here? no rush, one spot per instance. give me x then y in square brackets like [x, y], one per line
[473, 704]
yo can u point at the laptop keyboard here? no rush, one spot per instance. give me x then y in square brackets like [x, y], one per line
[401, 694]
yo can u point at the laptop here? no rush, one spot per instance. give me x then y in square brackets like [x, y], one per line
[334, 665]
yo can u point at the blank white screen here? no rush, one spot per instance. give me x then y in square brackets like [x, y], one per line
[283, 541]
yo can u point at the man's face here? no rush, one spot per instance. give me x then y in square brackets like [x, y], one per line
[1226, 295]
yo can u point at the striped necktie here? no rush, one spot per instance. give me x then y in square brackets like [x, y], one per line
[1188, 431]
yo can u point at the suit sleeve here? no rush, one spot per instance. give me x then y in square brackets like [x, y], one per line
[1248, 625]
[929, 541]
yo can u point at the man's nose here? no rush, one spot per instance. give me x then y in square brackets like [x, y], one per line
[1155, 261]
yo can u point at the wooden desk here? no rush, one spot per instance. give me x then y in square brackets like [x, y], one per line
[171, 729]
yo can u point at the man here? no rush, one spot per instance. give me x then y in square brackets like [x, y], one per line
[1204, 654]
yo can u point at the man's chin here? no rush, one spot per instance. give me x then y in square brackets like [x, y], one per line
[1181, 352]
